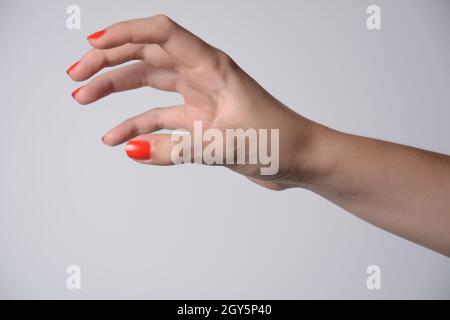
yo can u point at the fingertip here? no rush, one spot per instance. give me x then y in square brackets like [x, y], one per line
[96, 35]
[74, 72]
[72, 67]
[138, 149]
[74, 75]
[97, 40]
[112, 139]
[108, 141]
[78, 96]
[76, 92]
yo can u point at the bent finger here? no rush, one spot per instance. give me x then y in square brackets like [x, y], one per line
[97, 59]
[126, 78]
[150, 121]
[154, 149]
[180, 43]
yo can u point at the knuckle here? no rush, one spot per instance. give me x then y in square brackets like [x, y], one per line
[132, 125]
[156, 113]
[224, 60]
[163, 20]
[221, 65]
[214, 72]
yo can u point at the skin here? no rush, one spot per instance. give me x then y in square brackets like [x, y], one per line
[401, 189]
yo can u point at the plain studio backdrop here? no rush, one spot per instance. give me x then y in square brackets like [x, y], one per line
[200, 232]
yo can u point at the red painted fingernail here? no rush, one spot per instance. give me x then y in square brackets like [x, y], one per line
[137, 149]
[72, 67]
[96, 35]
[74, 94]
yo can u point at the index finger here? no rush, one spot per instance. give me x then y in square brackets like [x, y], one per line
[180, 43]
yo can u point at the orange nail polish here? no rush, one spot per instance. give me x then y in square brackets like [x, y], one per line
[139, 150]
[96, 35]
[72, 67]
[74, 94]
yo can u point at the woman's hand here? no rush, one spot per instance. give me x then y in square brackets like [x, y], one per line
[398, 188]
[215, 90]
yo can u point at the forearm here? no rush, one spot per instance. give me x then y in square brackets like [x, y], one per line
[401, 189]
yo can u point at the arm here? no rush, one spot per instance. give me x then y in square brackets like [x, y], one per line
[401, 189]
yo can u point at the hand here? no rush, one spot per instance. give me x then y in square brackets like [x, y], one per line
[398, 188]
[215, 89]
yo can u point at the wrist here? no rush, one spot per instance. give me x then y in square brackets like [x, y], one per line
[316, 154]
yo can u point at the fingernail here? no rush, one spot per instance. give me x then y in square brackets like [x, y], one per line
[96, 35]
[138, 149]
[74, 94]
[72, 67]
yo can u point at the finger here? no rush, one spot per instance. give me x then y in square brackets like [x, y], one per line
[153, 149]
[126, 78]
[171, 118]
[187, 48]
[155, 55]
[97, 59]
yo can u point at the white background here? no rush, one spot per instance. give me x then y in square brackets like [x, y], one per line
[197, 232]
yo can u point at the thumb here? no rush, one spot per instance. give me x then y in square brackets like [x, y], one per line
[156, 149]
